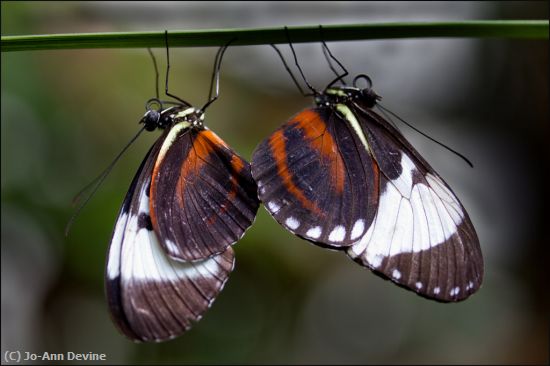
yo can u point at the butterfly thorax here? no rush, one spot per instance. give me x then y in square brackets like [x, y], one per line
[168, 117]
[345, 95]
[195, 117]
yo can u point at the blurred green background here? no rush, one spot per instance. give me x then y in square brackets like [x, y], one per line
[66, 114]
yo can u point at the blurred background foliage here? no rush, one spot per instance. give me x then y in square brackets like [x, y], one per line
[66, 114]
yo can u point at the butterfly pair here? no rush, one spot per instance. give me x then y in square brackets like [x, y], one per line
[338, 175]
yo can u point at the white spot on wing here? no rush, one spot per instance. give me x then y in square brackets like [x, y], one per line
[375, 260]
[418, 285]
[396, 274]
[292, 223]
[273, 206]
[314, 232]
[454, 291]
[337, 234]
[437, 290]
[358, 229]
[172, 248]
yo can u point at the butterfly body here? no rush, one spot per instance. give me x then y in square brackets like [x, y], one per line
[342, 177]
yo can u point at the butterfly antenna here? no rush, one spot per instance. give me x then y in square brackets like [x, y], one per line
[427, 136]
[156, 72]
[215, 80]
[388, 118]
[289, 71]
[168, 71]
[328, 56]
[213, 75]
[314, 91]
[95, 184]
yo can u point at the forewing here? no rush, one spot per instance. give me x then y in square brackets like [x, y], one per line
[316, 179]
[151, 296]
[422, 237]
[203, 197]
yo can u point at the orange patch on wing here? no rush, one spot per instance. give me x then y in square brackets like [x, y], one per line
[278, 149]
[204, 143]
[315, 131]
[237, 163]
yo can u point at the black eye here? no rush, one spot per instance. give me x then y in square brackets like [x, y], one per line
[369, 97]
[151, 120]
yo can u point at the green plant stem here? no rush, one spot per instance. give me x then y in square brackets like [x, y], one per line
[526, 29]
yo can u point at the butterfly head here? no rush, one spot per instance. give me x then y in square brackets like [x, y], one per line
[157, 116]
[151, 118]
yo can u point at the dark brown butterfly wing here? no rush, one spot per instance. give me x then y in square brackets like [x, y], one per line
[316, 180]
[203, 197]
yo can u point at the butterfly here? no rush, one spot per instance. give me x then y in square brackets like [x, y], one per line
[341, 176]
[170, 254]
